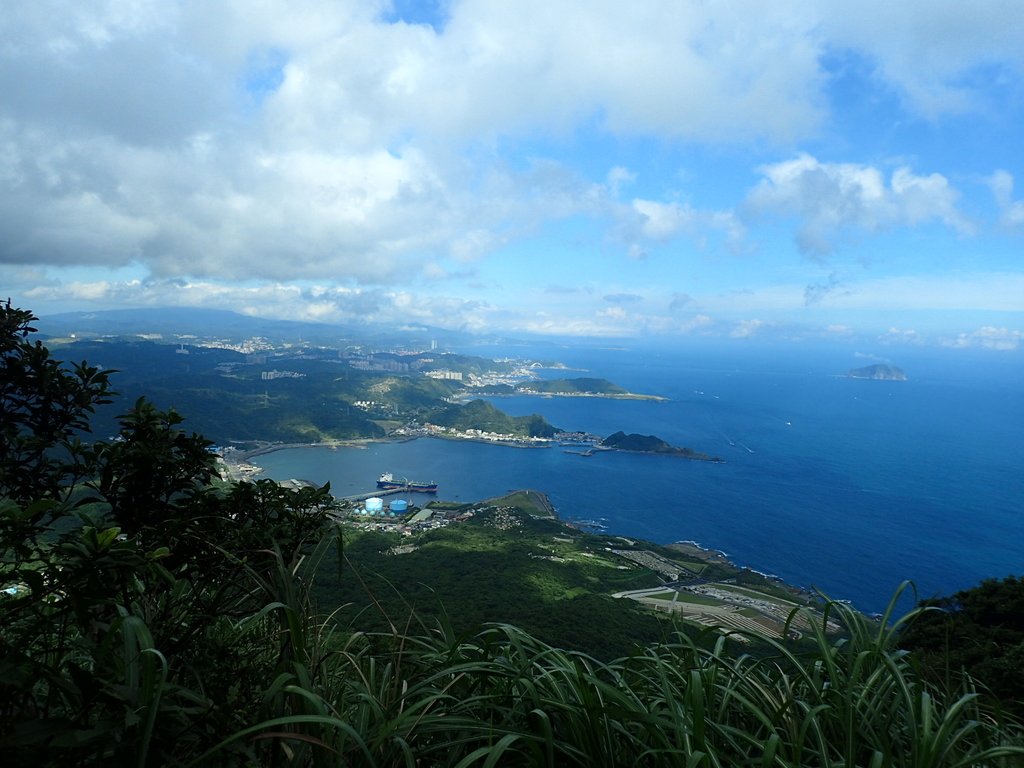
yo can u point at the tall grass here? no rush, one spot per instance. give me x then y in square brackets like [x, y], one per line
[426, 696]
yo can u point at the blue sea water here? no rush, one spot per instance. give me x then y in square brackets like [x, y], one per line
[846, 485]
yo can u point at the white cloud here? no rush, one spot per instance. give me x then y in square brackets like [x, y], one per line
[290, 141]
[987, 337]
[636, 252]
[613, 313]
[931, 52]
[901, 336]
[696, 323]
[834, 199]
[661, 222]
[618, 177]
[320, 303]
[747, 328]
[308, 138]
[644, 222]
[1011, 212]
[547, 325]
[663, 67]
[680, 300]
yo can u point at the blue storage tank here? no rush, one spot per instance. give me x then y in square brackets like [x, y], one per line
[399, 506]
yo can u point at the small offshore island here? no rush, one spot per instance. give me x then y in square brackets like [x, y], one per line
[878, 372]
[635, 443]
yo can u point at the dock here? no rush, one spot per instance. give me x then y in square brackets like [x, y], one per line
[379, 492]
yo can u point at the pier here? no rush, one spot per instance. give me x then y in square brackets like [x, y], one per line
[380, 492]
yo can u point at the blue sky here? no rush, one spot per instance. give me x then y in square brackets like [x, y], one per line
[801, 169]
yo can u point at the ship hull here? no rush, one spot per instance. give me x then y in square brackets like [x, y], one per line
[419, 487]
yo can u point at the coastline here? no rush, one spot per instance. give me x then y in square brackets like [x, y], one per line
[696, 550]
[233, 459]
[237, 462]
[599, 395]
[239, 455]
[537, 499]
[678, 454]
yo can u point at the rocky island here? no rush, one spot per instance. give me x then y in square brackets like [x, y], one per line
[620, 441]
[878, 372]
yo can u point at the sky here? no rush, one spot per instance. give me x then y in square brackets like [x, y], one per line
[795, 169]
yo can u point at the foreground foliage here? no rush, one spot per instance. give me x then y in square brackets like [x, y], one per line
[977, 632]
[501, 696]
[151, 617]
[134, 624]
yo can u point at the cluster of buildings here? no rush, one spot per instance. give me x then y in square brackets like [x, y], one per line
[434, 430]
[374, 507]
[385, 364]
[394, 517]
[444, 374]
[652, 562]
[270, 375]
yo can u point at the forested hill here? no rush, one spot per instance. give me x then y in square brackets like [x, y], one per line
[620, 441]
[573, 386]
[479, 414]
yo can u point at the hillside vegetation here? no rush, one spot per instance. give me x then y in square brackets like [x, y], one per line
[153, 617]
[620, 441]
[574, 386]
[479, 414]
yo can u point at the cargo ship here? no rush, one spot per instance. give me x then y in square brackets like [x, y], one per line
[387, 481]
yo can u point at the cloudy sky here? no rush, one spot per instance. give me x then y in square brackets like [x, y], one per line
[747, 169]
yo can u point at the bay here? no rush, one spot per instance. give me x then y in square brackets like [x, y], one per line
[846, 485]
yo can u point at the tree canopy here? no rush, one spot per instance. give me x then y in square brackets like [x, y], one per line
[976, 633]
[128, 574]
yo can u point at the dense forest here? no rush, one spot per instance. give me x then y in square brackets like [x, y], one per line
[620, 441]
[479, 414]
[306, 395]
[575, 386]
[151, 615]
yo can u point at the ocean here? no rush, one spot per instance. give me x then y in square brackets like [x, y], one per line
[844, 485]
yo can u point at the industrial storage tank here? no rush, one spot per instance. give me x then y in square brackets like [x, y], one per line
[374, 505]
[399, 506]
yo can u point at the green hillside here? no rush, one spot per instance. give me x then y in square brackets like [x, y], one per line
[479, 414]
[575, 386]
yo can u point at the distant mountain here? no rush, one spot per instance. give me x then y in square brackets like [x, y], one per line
[878, 372]
[173, 322]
